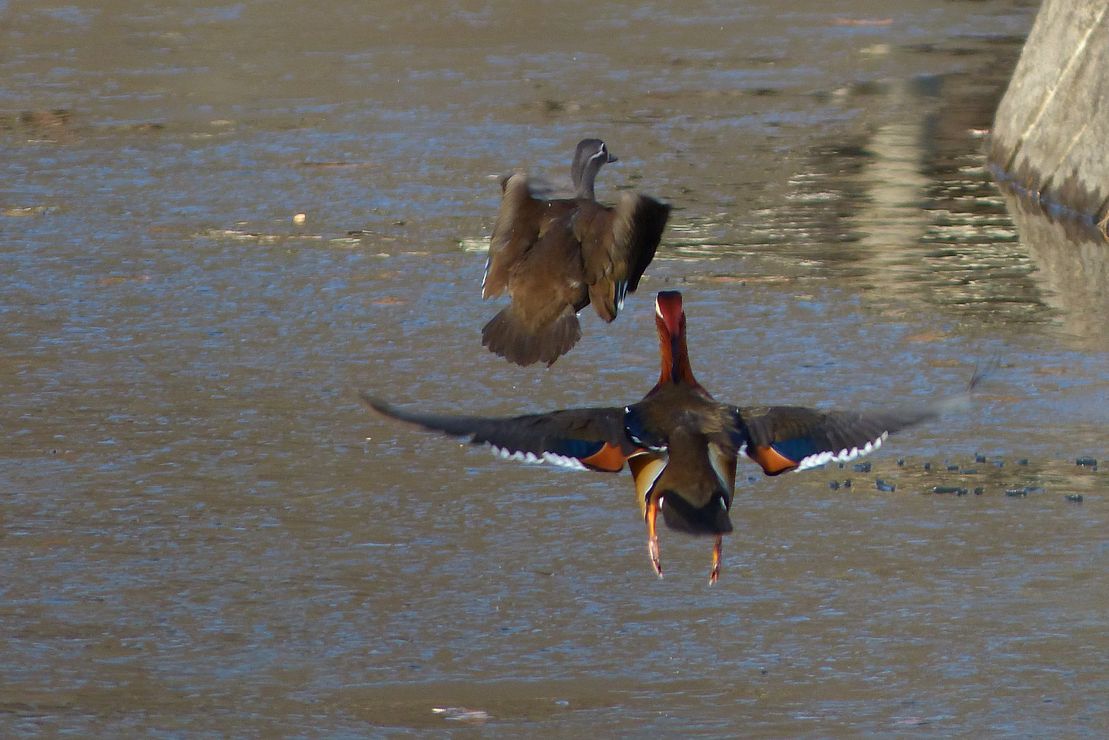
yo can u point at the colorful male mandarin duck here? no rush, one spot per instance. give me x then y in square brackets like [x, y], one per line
[555, 257]
[680, 443]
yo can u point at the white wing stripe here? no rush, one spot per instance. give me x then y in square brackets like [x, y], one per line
[563, 461]
[532, 459]
[823, 458]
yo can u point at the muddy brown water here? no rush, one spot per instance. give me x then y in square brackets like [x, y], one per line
[202, 531]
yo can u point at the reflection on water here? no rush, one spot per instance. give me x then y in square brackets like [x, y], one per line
[1072, 272]
[908, 212]
[201, 530]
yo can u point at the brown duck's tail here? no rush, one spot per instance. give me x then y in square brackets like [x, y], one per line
[509, 336]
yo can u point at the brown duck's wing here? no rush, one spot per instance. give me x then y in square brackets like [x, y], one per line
[514, 232]
[783, 438]
[585, 439]
[617, 245]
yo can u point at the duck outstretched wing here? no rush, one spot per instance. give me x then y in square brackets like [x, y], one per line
[585, 439]
[784, 438]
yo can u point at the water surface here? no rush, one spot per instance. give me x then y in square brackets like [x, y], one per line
[203, 531]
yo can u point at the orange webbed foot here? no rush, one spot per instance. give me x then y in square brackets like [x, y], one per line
[653, 551]
[651, 516]
[717, 546]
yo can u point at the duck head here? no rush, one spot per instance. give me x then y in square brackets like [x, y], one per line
[670, 322]
[590, 156]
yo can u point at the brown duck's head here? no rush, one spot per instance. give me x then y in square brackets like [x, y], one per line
[670, 322]
[589, 157]
[682, 516]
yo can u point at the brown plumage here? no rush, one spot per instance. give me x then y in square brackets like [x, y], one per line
[681, 445]
[555, 257]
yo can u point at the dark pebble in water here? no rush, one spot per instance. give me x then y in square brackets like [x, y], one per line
[847, 483]
[900, 462]
[950, 489]
[862, 467]
[1086, 462]
[1074, 498]
[834, 485]
[970, 471]
[979, 490]
[927, 466]
[952, 467]
[999, 463]
[1022, 461]
[881, 485]
[841, 466]
[979, 458]
[1016, 493]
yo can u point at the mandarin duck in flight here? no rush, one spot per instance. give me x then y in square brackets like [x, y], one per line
[681, 444]
[555, 257]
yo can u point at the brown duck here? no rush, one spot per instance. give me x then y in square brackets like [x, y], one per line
[680, 443]
[555, 257]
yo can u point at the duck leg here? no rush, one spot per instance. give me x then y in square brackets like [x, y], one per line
[652, 536]
[716, 549]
